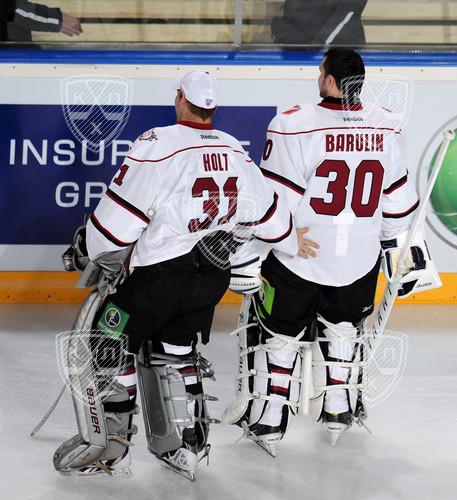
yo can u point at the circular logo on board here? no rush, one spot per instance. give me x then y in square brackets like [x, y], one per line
[112, 317]
[442, 212]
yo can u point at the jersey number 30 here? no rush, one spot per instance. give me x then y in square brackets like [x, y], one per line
[211, 205]
[338, 188]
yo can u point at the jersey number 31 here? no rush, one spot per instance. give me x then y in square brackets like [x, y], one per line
[211, 205]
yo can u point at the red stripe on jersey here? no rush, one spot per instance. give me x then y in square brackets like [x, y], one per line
[187, 369]
[284, 371]
[268, 214]
[292, 110]
[243, 153]
[107, 234]
[283, 180]
[129, 371]
[278, 388]
[279, 238]
[127, 206]
[179, 151]
[334, 381]
[200, 126]
[341, 106]
[331, 128]
[395, 185]
[401, 214]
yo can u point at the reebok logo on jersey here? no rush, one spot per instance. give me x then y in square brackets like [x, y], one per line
[208, 136]
[353, 119]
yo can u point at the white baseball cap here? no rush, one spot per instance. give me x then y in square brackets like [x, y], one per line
[199, 88]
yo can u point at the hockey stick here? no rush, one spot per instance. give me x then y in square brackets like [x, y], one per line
[49, 412]
[388, 299]
[83, 318]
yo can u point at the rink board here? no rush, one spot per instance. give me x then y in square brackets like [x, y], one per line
[51, 178]
[53, 287]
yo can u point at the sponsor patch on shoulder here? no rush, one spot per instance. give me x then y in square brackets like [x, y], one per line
[150, 135]
[296, 108]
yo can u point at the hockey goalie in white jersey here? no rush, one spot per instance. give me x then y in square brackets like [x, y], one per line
[170, 213]
[344, 175]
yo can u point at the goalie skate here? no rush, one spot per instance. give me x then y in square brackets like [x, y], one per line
[183, 461]
[263, 436]
[336, 424]
[117, 469]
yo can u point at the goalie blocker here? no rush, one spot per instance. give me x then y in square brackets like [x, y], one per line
[418, 272]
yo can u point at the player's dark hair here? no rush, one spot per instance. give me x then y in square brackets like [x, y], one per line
[204, 114]
[348, 69]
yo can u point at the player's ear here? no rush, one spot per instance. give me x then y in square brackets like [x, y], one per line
[180, 95]
[331, 80]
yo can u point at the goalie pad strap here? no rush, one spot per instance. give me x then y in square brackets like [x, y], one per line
[119, 406]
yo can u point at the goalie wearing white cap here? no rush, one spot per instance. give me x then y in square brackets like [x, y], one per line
[169, 213]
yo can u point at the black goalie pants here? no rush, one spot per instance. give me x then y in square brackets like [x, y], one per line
[171, 301]
[289, 303]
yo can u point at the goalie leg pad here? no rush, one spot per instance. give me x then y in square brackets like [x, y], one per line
[116, 413]
[338, 368]
[280, 366]
[174, 405]
[102, 405]
[270, 375]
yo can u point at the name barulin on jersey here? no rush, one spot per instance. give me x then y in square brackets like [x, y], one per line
[354, 142]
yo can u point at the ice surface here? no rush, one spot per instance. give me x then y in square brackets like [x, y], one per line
[411, 455]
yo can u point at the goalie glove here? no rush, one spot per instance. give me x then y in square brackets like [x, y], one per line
[245, 275]
[418, 272]
[75, 257]
[106, 272]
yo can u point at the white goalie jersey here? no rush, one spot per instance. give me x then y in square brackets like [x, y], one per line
[345, 178]
[180, 183]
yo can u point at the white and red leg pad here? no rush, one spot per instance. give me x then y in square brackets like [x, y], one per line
[337, 368]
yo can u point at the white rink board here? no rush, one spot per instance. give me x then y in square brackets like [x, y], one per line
[433, 106]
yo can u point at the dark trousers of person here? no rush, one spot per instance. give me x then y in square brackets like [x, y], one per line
[294, 302]
[171, 301]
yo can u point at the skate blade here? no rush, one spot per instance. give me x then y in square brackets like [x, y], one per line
[122, 472]
[188, 474]
[335, 433]
[334, 438]
[270, 448]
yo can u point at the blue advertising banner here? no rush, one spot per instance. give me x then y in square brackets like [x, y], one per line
[50, 179]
